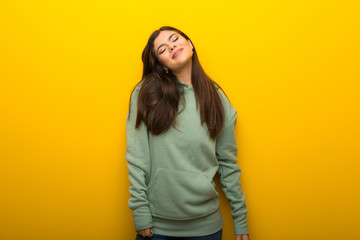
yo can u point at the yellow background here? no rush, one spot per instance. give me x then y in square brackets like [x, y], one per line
[290, 68]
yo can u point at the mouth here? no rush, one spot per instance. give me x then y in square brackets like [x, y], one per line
[177, 52]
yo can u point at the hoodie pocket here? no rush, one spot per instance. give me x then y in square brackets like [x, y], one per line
[181, 195]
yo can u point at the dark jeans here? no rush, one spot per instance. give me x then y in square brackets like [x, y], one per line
[214, 236]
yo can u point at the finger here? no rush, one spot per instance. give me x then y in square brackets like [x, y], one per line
[246, 237]
[148, 232]
[142, 233]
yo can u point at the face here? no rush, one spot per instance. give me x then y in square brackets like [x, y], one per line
[173, 50]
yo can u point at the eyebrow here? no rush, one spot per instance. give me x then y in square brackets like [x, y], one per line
[163, 44]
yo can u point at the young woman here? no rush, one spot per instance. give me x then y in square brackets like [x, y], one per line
[180, 133]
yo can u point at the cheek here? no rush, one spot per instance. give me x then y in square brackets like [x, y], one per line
[165, 57]
[161, 58]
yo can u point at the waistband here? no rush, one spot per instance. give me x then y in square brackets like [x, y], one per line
[206, 225]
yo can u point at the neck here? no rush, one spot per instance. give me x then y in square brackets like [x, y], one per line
[184, 74]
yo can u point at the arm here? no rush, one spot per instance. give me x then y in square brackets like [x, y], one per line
[229, 171]
[138, 163]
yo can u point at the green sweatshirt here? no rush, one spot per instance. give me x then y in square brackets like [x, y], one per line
[171, 175]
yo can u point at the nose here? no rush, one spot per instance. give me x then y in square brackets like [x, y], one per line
[172, 47]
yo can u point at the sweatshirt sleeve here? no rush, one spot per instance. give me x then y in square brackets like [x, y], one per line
[229, 171]
[138, 163]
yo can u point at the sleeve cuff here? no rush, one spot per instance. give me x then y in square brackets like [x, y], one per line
[241, 227]
[142, 219]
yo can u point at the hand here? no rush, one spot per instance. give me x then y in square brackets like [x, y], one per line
[145, 232]
[243, 237]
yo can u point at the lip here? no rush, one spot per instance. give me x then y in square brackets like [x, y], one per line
[177, 52]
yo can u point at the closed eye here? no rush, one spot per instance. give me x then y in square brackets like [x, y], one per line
[165, 48]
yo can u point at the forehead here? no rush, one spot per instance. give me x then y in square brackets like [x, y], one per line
[163, 37]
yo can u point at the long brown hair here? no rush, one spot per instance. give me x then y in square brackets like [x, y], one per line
[160, 93]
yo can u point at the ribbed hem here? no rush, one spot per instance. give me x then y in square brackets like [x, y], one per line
[189, 228]
[241, 229]
[142, 220]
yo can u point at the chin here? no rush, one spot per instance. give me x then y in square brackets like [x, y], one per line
[183, 58]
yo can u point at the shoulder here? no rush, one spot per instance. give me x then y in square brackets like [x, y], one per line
[134, 96]
[225, 100]
[136, 90]
[138, 86]
[229, 111]
[228, 108]
[145, 84]
[222, 94]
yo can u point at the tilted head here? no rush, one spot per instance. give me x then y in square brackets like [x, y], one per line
[168, 49]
